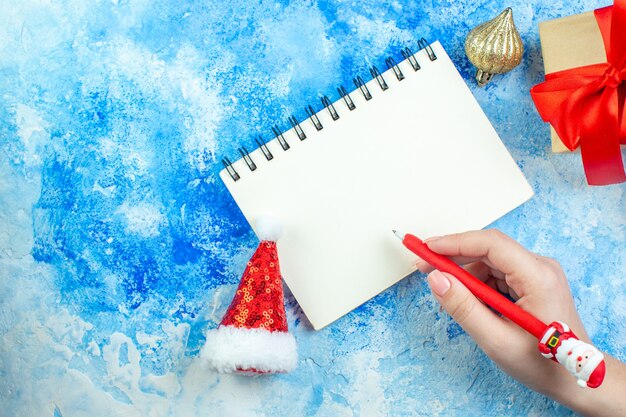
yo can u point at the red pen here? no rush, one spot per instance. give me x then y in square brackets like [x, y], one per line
[556, 341]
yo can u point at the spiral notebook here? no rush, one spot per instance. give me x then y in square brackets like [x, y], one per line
[410, 149]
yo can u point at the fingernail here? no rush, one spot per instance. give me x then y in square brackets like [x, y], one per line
[432, 239]
[439, 283]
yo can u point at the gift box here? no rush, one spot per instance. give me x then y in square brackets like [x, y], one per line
[570, 42]
[585, 88]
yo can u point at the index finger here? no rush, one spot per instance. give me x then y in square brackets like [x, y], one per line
[491, 246]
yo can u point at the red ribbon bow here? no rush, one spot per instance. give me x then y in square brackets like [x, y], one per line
[585, 105]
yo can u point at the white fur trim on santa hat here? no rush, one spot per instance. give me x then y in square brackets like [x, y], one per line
[229, 348]
[268, 228]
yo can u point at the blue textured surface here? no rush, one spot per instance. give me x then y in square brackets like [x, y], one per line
[119, 245]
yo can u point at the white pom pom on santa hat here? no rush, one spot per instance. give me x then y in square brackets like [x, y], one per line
[268, 228]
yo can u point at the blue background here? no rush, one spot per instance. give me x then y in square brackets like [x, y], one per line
[120, 246]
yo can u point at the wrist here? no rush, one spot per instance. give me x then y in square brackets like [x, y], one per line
[609, 399]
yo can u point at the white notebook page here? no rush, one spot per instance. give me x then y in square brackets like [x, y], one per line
[419, 157]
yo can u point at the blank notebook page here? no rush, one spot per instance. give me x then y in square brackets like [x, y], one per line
[420, 157]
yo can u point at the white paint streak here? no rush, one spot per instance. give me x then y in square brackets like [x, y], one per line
[182, 85]
[31, 129]
[142, 218]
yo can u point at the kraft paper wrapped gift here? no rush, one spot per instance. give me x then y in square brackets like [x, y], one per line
[570, 42]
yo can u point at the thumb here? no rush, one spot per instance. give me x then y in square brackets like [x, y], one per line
[485, 327]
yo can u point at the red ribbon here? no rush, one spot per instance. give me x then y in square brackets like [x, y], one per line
[585, 105]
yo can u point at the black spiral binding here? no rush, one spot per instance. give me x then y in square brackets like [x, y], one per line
[392, 65]
[229, 168]
[281, 139]
[360, 84]
[381, 81]
[329, 106]
[346, 97]
[246, 157]
[407, 54]
[313, 116]
[263, 146]
[296, 126]
[429, 49]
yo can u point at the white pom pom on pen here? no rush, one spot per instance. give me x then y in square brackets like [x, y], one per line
[268, 228]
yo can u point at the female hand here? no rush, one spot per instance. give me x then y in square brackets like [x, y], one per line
[540, 287]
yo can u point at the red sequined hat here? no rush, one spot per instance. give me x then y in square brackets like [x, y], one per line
[253, 337]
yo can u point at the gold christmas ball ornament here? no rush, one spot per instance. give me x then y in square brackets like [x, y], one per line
[495, 47]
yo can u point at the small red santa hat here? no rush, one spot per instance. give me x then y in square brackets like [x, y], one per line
[595, 374]
[253, 337]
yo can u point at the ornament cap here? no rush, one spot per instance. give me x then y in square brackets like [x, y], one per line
[483, 77]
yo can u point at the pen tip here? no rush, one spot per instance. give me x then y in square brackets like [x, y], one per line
[399, 235]
[393, 230]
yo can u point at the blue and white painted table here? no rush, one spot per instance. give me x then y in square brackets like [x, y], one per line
[119, 245]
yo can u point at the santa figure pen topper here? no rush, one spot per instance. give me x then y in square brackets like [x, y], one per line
[556, 341]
